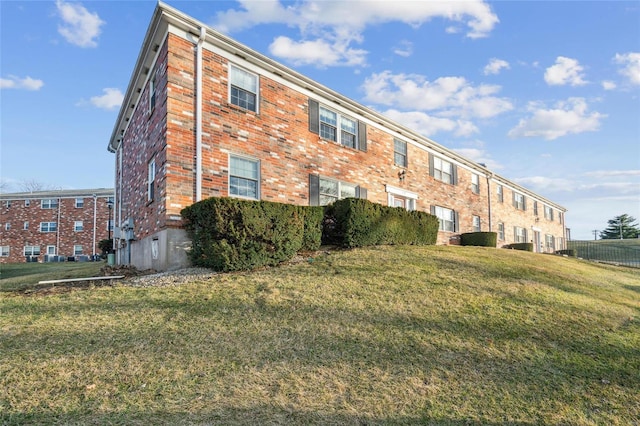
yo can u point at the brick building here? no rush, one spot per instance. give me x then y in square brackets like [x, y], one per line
[47, 225]
[205, 116]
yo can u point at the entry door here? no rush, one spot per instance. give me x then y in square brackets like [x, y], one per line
[537, 244]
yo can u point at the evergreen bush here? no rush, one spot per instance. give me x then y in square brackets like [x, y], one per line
[480, 239]
[521, 246]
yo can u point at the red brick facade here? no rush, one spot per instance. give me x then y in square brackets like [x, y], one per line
[53, 223]
[279, 136]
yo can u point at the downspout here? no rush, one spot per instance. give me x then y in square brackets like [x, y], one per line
[95, 211]
[198, 70]
[58, 228]
[119, 201]
[489, 177]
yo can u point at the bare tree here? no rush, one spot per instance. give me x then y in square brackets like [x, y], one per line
[33, 185]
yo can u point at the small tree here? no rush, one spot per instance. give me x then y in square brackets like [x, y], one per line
[624, 224]
[106, 246]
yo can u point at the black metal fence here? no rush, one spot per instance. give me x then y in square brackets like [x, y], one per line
[622, 252]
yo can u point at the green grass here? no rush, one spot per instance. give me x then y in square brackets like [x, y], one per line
[21, 276]
[388, 335]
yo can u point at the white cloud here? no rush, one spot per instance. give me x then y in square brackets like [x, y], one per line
[341, 23]
[111, 99]
[449, 96]
[479, 156]
[546, 183]
[429, 125]
[613, 173]
[631, 66]
[404, 49]
[79, 26]
[565, 71]
[567, 117]
[319, 52]
[26, 83]
[608, 85]
[495, 66]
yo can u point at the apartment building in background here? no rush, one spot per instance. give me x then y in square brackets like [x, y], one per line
[205, 116]
[54, 225]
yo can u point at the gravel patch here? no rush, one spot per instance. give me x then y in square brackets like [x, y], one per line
[170, 278]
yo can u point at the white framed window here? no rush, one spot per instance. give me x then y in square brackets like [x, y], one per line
[32, 250]
[4, 251]
[79, 203]
[151, 179]
[500, 194]
[476, 224]
[27, 203]
[7, 226]
[78, 226]
[51, 250]
[244, 177]
[519, 201]
[443, 170]
[77, 250]
[398, 197]
[447, 218]
[475, 183]
[332, 190]
[8, 203]
[243, 88]
[400, 153]
[25, 225]
[49, 203]
[548, 213]
[501, 231]
[549, 242]
[48, 226]
[519, 234]
[331, 121]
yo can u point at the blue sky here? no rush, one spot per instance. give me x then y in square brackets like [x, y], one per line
[546, 94]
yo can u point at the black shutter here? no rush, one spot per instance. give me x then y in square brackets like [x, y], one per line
[524, 203]
[361, 192]
[362, 136]
[454, 174]
[433, 210]
[314, 116]
[456, 223]
[314, 190]
[515, 204]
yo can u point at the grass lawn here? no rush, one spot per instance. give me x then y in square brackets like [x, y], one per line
[20, 276]
[386, 335]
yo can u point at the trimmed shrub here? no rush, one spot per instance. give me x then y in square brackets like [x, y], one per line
[480, 239]
[569, 252]
[229, 234]
[355, 222]
[520, 246]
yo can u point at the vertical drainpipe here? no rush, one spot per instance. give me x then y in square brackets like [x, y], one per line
[58, 228]
[198, 70]
[119, 200]
[95, 211]
[489, 176]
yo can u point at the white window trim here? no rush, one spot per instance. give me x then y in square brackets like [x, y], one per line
[411, 197]
[75, 225]
[231, 66]
[5, 253]
[51, 250]
[81, 201]
[259, 178]
[151, 165]
[339, 117]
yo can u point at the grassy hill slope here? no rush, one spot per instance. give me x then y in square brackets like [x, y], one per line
[387, 335]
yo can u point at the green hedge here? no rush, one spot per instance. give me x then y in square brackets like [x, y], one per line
[229, 234]
[520, 246]
[568, 252]
[480, 239]
[354, 222]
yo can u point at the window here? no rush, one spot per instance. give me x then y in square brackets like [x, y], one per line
[152, 93]
[51, 250]
[4, 251]
[244, 177]
[27, 203]
[501, 231]
[77, 250]
[51, 203]
[48, 226]
[535, 208]
[475, 183]
[79, 203]
[447, 218]
[549, 242]
[7, 226]
[31, 250]
[548, 213]
[151, 180]
[333, 190]
[519, 201]
[476, 223]
[25, 225]
[520, 235]
[8, 203]
[443, 170]
[398, 197]
[333, 126]
[500, 194]
[243, 90]
[400, 153]
[78, 226]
